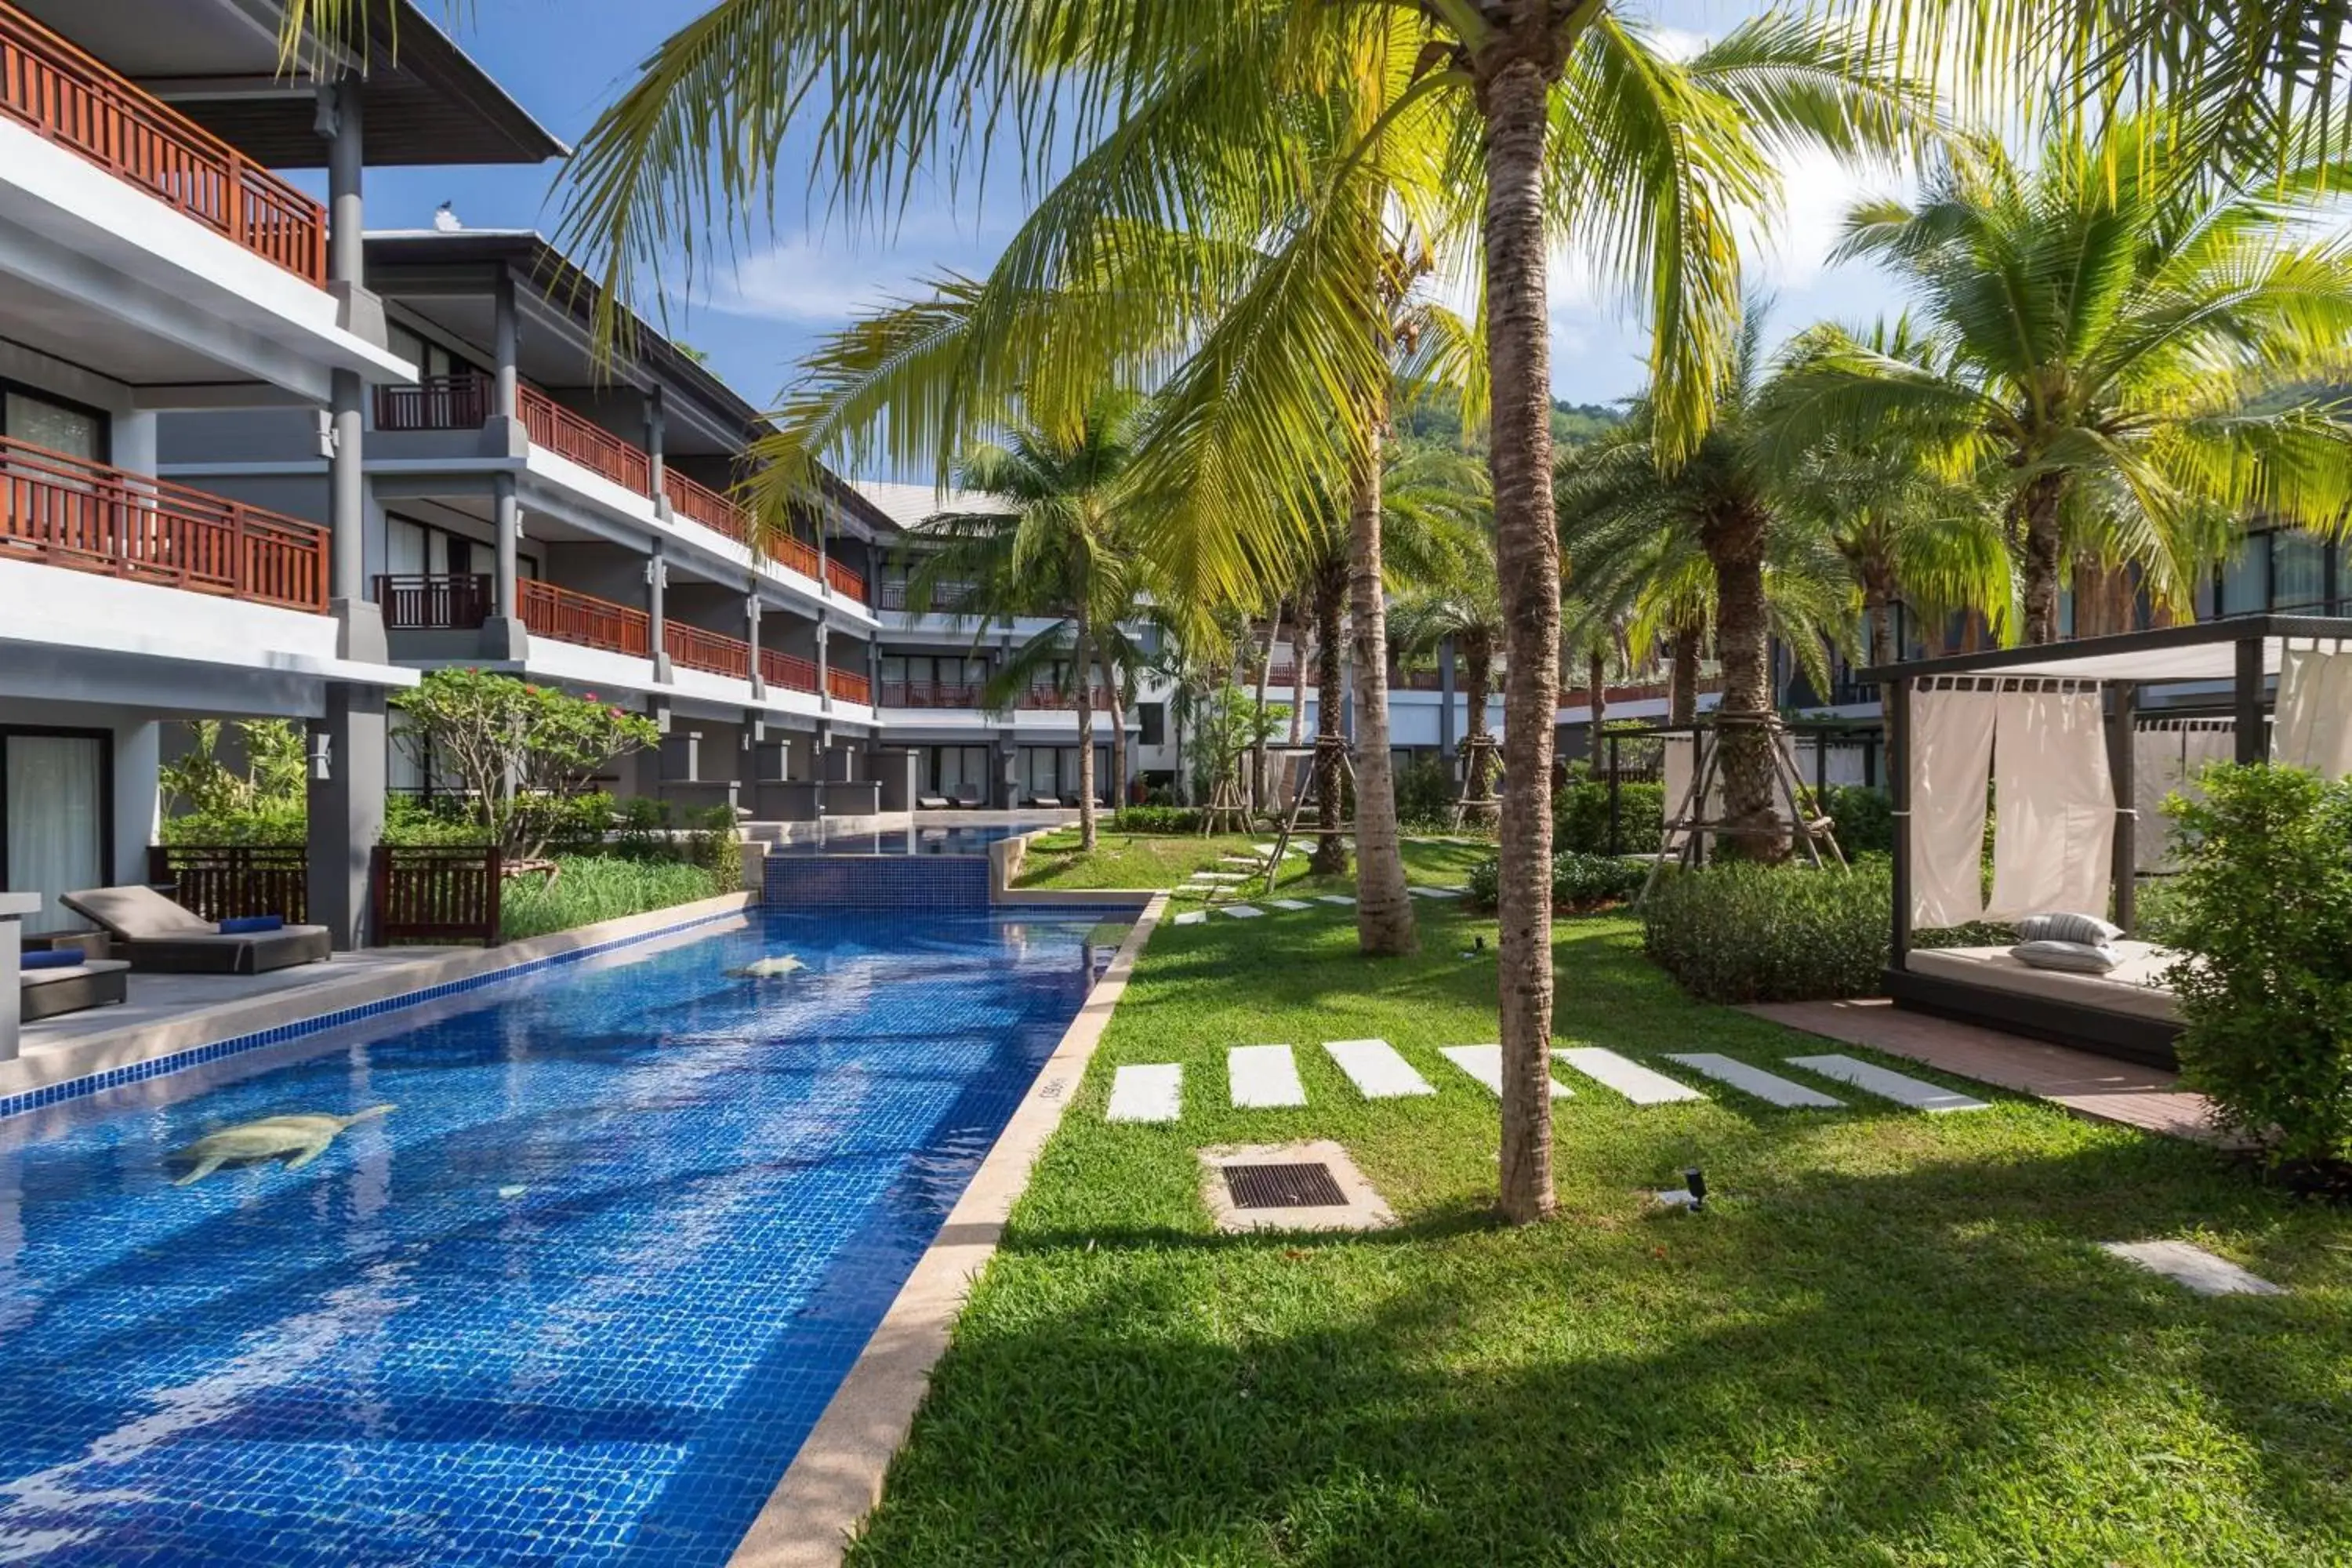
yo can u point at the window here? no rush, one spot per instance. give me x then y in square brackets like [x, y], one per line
[57, 811]
[2299, 574]
[2245, 581]
[55, 426]
[413, 548]
[1152, 719]
[429, 357]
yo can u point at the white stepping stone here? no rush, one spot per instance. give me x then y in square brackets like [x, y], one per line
[1434, 892]
[1290, 904]
[1219, 877]
[1264, 1078]
[1376, 1069]
[1485, 1063]
[2192, 1267]
[1191, 916]
[1243, 859]
[1243, 911]
[1341, 899]
[1768, 1086]
[1906, 1092]
[1626, 1075]
[1153, 1093]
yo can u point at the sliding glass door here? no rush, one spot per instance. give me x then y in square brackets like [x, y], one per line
[54, 811]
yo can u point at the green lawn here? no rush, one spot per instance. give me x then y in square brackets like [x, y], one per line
[1890, 1344]
[1164, 860]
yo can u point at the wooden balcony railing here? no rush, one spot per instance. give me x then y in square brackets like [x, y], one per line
[568, 435]
[69, 511]
[460, 402]
[843, 580]
[848, 686]
[70, 99]
[435, 601]
[1040, 697]
[698, 649]
[787, 670]
[559, 613]
[706, 506]
[929, 694]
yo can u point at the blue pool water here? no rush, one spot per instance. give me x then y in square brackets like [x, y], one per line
[911, 841]
[577, 1299]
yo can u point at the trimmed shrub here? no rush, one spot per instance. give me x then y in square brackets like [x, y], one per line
[1580, 818]
[598, 888]
[1863, 819]
[1155, 819]
[2264, 899]
[1426, 793]
[1739, 933]
[1580, 883]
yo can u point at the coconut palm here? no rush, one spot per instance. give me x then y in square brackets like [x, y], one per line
[1056, 551]
[2104, 337]
[1631, 510]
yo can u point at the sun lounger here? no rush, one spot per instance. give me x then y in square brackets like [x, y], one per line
[931, 803]
[1045, 799]
[93, 983]
[157, 934]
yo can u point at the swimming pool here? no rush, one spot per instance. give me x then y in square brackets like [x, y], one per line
[578, 1299]
[966, 840]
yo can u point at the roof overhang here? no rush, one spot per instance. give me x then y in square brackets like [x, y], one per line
[2207, 650]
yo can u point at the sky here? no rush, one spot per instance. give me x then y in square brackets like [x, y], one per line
[564, 60]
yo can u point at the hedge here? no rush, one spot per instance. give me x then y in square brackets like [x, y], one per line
[1738, 933]
[1580, 882]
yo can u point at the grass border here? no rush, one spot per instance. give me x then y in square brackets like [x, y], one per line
[835, 1480]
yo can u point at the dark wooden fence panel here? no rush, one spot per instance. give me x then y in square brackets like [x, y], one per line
[436, 892]
[220, 881]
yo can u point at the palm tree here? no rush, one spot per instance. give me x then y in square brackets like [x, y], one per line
[1722, 503]
[1057, 551]
[1521, 122]
[2104, 337]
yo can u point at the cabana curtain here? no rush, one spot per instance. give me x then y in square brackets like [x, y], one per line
[1951, 756]
[2313, 728]
[2054, 833]
[2167, 756]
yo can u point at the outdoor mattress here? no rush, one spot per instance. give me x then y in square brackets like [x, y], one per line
[2134, 987]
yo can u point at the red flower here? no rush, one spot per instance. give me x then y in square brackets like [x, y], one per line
[590, 697]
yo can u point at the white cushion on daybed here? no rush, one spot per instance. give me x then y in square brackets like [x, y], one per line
[2134, 986]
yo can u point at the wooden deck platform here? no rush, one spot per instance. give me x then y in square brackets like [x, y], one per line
[2089, 1084]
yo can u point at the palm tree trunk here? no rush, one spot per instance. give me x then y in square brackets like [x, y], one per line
[1743, 641]
[1596, 697]
[1085, 670]
[2036, 510]
[1384, 923]
[1878, 614]
[1264, 674]
[1514, 97]
[1477, 679]
[1681, 677]
[1330, 601]
[1117, 734]
[1298, 670]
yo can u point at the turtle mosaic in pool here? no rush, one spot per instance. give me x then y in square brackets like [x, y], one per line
[579, 1298]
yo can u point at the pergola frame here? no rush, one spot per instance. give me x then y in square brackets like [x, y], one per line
[2244, 652]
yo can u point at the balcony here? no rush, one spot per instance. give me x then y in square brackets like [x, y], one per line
[790, 671]
[928, 693]
[69, 511]
[848, 686]
[466, 400]
[712, 651]
[947, 598]
[1045, 697]
[68, 98]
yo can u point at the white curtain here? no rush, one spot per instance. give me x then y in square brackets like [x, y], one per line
[2054, 805]
[1951, 758]
[2315, 710]
[54, 836]
[2165, 760]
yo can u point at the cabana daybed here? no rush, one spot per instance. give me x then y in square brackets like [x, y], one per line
[2078, 741]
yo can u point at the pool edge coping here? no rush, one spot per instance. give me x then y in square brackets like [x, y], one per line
[837, 1477]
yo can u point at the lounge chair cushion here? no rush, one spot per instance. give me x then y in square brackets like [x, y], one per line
[137, 914]
[2080, 929]
[932, 801]
[53, 958]
[48, 993]
[2073, 957]
[2134, 986]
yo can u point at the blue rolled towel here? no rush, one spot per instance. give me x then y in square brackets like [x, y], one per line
[54, 958]
[247, 925]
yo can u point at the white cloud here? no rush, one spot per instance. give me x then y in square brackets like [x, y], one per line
[824, 277]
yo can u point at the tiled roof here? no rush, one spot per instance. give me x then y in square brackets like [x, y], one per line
[911, 507]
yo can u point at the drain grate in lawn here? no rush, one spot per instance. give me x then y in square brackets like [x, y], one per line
[1299, 1185]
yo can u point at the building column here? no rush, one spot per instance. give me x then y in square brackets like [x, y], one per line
[658, 631]
[1445, 701]
[823, 666]
[751, 636]
[657, 426]
[347, 772]
[506, 386]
